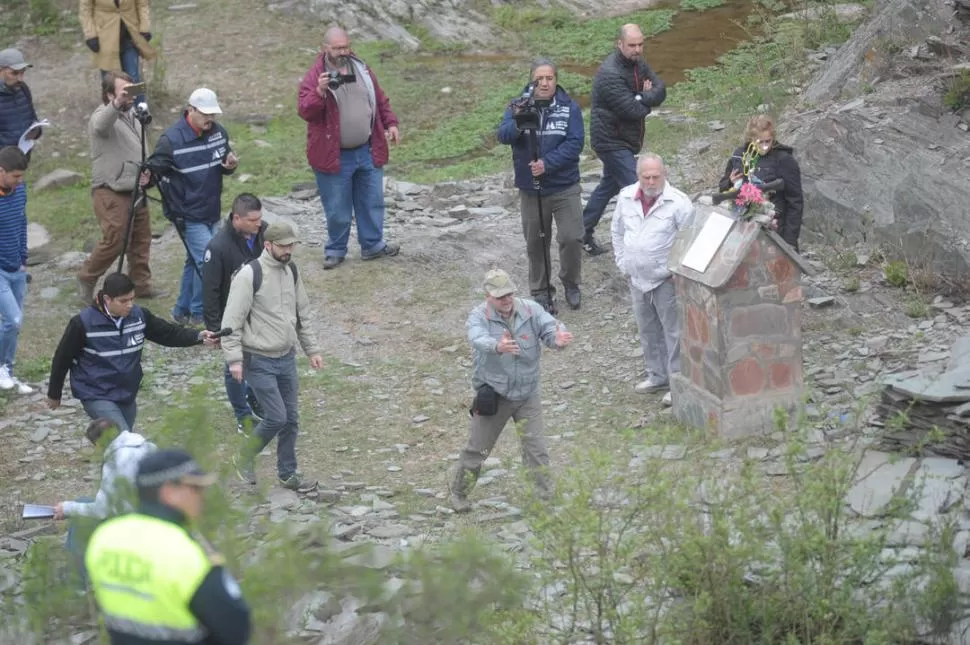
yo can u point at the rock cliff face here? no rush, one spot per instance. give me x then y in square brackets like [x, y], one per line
[882, 158]
[453, 21]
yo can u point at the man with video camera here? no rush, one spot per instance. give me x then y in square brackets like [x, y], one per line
[116, 133]
[545, 129]
[188, 164]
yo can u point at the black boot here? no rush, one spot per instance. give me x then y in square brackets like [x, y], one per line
[591, 246]
[573, 297]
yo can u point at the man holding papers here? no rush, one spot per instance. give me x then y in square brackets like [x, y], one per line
[17, 112]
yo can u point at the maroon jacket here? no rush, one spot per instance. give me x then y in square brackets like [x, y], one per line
[323, 120]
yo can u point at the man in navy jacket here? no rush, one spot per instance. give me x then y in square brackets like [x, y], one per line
[552, 181]
[16, 103]
[189, 162]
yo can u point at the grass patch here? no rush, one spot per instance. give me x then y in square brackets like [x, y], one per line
[700, 5]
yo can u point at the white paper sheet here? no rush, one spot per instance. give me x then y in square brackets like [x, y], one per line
[26, 144]
[37, 512]
[707, 242]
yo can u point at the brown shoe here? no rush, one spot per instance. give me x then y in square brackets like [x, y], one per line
[151, 293]
[85, 291]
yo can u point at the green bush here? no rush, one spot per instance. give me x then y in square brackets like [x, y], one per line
[957, 94]
[896, 273]
[700, 5]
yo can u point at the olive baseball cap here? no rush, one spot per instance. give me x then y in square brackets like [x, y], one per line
[281, 232]
[171, 466]
[498, 283]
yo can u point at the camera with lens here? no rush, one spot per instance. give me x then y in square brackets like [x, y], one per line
[142, 114]
[335, 79]
[525, 110]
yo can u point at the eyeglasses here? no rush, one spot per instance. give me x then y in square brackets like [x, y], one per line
[283, 246]
[507, 296]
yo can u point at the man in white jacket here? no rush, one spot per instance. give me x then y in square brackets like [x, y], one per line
[648, 216]
[123, 451]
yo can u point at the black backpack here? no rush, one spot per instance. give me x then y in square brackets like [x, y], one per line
[258, 281]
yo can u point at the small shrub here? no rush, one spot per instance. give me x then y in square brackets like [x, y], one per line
[916, 307]
[896, 273]
[851, 285]
[957, 94]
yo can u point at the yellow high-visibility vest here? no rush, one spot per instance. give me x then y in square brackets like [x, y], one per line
[144, 572]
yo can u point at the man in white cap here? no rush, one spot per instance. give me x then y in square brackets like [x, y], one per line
[506, 334]
[17, 112]
[188, 164]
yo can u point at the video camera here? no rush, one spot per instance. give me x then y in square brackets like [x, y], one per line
[336, 79]
[525, 110]
[142, 114]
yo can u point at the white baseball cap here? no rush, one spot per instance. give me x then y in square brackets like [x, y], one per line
[204, 100]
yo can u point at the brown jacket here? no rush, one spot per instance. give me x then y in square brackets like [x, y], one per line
[115, 148]
[101, 19]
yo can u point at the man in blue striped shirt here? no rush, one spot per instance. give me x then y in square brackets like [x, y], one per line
[13, 261]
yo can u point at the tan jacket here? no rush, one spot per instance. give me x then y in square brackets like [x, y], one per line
[115, 148]
[266, 324]
[101, 19]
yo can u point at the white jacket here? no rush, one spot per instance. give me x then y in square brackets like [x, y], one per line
[641, 244]
[120, 465]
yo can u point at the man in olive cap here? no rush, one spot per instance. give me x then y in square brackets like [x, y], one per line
[17, 112]
[269, 313]
[152, 579]
[507, 335]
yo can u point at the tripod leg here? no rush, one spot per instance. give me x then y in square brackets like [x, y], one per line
[132, 208]
[546, 260]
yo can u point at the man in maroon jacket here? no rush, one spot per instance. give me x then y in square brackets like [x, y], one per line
[349, 123]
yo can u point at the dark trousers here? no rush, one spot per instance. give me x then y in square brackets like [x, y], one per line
[276, 384]
[619, 171]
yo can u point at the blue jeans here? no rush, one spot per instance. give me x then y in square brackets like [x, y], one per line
[130, 65]
[123, 414]
[277, 385]
[236, 393]
[619, 171]
[13, 288]
[79, 531]
[197, 236]
[357, 190]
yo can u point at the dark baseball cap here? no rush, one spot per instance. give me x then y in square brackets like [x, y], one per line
[173, 465]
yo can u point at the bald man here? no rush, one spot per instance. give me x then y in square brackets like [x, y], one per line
[625, 89]
[349, 124]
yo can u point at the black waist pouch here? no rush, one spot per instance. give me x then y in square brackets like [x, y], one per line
[486, 401]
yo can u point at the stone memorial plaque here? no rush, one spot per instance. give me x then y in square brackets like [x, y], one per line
[707, 242]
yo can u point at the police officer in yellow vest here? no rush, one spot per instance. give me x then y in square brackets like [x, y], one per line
[153, 582]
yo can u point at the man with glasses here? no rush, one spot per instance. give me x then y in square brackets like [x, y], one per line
[349, 123]
[152, 579]
[507, 335]
[240, 240]
[269, 313]
[17, 112]
[188, 164]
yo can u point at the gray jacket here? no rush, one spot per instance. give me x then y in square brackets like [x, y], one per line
[515, 377]
[117, 491]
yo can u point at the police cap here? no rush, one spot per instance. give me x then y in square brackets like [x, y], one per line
[173, 465]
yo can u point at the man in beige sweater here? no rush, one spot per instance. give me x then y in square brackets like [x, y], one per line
[269, 313]
[115, 154]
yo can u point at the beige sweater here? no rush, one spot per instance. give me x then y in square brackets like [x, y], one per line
[115, 148]
[266, 324]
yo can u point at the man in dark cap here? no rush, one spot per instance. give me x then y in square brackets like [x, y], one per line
[152, 580]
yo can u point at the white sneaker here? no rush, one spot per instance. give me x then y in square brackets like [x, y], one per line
[652, 384]
[667, 401]
[22, 388]
[6, 381]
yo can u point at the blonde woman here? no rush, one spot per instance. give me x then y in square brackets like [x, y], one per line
[117, 33]
[761, 160]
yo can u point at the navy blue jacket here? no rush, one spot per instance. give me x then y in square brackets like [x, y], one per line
[561, 138]
[16, 113]
[105, 359]
[189, 169]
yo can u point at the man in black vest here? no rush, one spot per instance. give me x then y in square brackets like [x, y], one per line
[101, 348]
[238, 241]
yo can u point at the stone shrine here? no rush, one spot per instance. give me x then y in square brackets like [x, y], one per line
[740, 316]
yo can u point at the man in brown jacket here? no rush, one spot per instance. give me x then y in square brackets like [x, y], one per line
[117, 32]
[115, 155]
